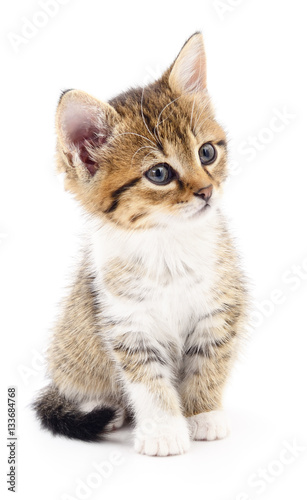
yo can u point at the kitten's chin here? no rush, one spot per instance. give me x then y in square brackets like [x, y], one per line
[205, 209]
[201, 213]
[192, 216]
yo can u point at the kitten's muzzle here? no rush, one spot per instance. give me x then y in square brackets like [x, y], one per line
[205, 193]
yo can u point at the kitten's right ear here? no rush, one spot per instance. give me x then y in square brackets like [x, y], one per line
[189, 71]
[84, 126]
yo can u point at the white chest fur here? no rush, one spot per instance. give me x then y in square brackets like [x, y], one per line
[166, 275]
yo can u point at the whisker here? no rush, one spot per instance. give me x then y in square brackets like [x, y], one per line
[142, 112]
[158, 120]
[159, 123]
[142, 147]
[139, 135]
[150, 153]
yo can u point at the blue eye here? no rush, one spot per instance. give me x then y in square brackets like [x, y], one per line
[207, 153]
[160, 174]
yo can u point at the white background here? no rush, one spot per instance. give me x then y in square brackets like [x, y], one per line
[256, 65]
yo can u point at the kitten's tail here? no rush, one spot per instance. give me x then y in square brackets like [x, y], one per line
[61, 416]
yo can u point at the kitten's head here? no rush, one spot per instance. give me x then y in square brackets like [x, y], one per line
[151, 155]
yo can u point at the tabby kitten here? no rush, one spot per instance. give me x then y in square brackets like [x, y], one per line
[153, 321]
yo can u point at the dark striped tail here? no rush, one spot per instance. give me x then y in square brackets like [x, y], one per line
[61, 416]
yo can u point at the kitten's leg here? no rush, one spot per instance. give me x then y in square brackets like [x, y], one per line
[161, 429]
[209, 353]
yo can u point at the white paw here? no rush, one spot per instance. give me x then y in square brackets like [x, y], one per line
[118, 421]
[161, 440]
[208, 426]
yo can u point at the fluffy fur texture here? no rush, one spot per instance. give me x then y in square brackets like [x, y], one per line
[156, 315]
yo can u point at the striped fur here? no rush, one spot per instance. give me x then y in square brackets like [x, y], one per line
[156, 315]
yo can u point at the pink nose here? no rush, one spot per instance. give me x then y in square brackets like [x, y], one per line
[205, 193]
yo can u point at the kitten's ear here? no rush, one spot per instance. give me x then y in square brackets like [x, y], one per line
[84, 125]
[188, 73]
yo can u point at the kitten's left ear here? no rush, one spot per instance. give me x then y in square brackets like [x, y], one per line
[188, 73]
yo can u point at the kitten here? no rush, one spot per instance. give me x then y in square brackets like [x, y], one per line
[156, 314]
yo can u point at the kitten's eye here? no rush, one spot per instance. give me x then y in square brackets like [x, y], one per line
[207, 153]
[160, 174]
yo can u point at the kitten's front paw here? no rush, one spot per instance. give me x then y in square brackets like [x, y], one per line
[208, 426]
[171, 438]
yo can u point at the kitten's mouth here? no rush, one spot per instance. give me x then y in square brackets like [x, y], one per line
[203, 209]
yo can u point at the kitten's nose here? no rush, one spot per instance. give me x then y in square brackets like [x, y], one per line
[205, 193]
